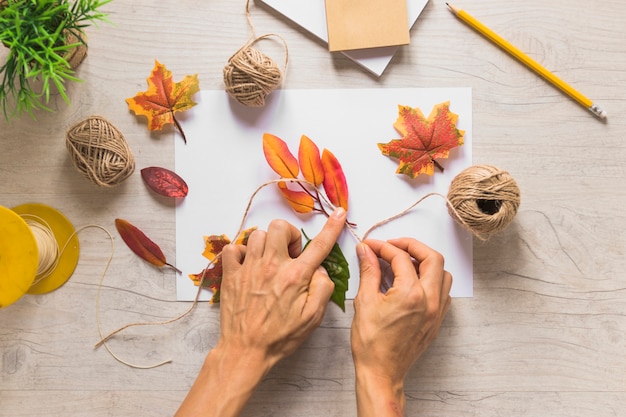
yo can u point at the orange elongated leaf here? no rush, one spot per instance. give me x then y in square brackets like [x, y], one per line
[164, 97]
[164, 182]
[310, 162]
[335, 183]
[300, 201]
[423, 139]
[141, 244]
[279, 157]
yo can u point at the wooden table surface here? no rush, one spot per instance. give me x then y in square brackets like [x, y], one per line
[544, 334]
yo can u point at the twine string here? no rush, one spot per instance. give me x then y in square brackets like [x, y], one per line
[471, 185]
[453, 211]
[252, 39]
[50, 255]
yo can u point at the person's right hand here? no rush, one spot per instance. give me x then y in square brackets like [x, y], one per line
[391, 330]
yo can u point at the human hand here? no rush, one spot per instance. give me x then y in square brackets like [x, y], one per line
[273, 296]
[390, 331]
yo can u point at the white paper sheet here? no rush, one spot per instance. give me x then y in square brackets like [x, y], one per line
[223, 164]
[311, 15]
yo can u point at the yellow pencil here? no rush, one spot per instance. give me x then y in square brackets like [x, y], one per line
[528, 61]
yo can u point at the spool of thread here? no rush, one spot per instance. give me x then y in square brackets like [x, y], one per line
[100, 152]
[38, 251]
[47, 246]
[484, 199]
[250, 75]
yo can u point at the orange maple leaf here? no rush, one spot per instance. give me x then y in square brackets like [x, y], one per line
[164, 97]
[423, 140]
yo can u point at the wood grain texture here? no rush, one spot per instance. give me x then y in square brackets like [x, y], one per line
[545, 333]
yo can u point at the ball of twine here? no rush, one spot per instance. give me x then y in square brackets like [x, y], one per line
[250, 75]
[484, 199]
[100, 152]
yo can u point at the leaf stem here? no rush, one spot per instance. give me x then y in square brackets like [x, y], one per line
[180, 128]
[174, 268]
[437, 164]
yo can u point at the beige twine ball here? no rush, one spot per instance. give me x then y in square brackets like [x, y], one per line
[484, 199]
[250, 76]
[100, 152]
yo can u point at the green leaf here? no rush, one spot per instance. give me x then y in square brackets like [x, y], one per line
[336, 266]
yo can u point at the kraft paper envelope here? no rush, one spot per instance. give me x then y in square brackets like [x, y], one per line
[359, 24]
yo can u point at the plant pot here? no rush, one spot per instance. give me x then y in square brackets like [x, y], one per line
[77, 54]
[74, 56]
[35, 31]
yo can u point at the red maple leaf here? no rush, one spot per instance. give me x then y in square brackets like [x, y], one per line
[423, 139]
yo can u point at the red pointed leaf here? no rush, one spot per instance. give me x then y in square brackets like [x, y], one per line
[164, 182]
[335, 183]
[140, 244]
[300, 201]
[310, 162]
[279, 157]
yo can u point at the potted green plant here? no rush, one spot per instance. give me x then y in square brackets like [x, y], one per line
[44, 40]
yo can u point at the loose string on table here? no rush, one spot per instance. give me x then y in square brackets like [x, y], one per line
[476, 184]
[50, 254]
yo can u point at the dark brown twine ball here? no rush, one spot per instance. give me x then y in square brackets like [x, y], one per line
[100, 152]
[250, 75]
[484, 199]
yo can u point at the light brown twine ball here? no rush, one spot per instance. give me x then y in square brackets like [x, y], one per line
[484, 199]
[250, 75]
[100, 152]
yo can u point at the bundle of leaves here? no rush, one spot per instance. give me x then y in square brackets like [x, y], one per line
[38, 36]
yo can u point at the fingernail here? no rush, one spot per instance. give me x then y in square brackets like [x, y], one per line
[339, 213]
[360, 250]
[322, 270]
